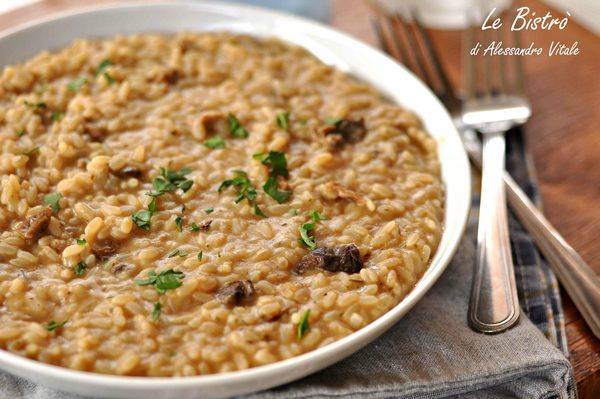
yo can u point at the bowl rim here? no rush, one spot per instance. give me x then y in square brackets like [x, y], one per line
[22, 366]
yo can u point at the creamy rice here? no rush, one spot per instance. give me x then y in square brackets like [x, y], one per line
[84, 133]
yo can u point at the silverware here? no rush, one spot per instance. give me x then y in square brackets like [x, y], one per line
[582, 285]
[492, 109]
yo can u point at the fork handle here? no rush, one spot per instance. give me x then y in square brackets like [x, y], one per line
[494, 305]
[576, 276]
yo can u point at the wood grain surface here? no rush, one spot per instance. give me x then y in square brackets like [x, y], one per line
[563, 136]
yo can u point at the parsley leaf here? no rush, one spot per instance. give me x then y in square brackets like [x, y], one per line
[81, 241]
[79, 269]
[56, 116]
[316, 216]
[170, 180]
[109, 79]
[179, 223]
[166, 280]
[258, 211]
[105, 63]
[200, 255]
[333, 121]
[31, 152]
[303, 325]
[20, 132]
[209, 210]
[215, 142]
[142, 219]
[156, 311]
[276, 162]
[244, 186]
[235, 127]
[270, 188]
[53, 325]
[52, 200]
[283, 120]
[77, 83]
[36, 105]
[177, 252]
[305, 238]
[194, 227]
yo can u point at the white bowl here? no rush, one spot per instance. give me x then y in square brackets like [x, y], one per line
[331, 47]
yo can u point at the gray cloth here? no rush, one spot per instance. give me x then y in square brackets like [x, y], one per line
[430, 353]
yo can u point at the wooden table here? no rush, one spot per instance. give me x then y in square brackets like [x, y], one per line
[563, 136]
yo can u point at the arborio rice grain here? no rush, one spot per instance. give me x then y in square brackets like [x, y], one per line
[98, 275]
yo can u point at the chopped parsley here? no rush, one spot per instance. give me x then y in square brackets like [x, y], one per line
[283, 120]
[245, 189]
[53, 325]
[105, 63]
[156, 311]
[235, 127]
[81, 241]
[36, 105]
[305, 238]
[209, 210]
[276, 162]
[258, 211]
[303, 325]
[80, 268]
[77, 83]
[143, 219]
[179, 223]
[52, 200]
[270, 188]
[31, 152]
[166, 280]
[333, 121]
[316, 216]
[215, 143]
[56, 116]
[200, 255]
[20, 132]
[171, 180]
[177, 252]
[194, 227]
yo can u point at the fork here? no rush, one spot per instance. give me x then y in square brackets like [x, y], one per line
[582, 285]
[492, 110]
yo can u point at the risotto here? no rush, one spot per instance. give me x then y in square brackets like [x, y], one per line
[203, 203]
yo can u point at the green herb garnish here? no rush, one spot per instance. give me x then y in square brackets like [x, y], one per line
[52, 200]
[143, 219]
[81, 241]
[77, 83]
[166, 280]
[305, 238]
[36, 105]
[270, 188]
[80, 268]
[276, 162]
[179, 223]
[109, 79]
[316, 216]
[194, 227]
[177, 252]
[56, 116]
[31, 152]
[171, 180]
[215, 143]
[258, 211]
[333, 121]
[235, 127]
[245, 189]
[20, 132]
[283, 120]
[156, 311]
[53, 325]
[209, 210]
[200, 255]
[105, 63]
[303, 325]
